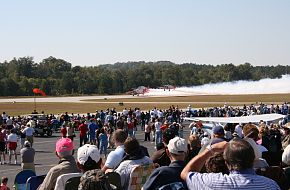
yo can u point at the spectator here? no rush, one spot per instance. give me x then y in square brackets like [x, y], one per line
[194, 147]
[134, 156]
[70, 132]
[160, 157]
[12, 145]
[103, 138]
[164, 175]
[28, 131]
[63, 131]
[2, 146]
[92, 131]
[67, 164]
[147, 131]
[27, 154]
[239, 157]
[83, 128]
[286, 139]
[88, 158]
[4, 182]
[115, 157]
[216, 164]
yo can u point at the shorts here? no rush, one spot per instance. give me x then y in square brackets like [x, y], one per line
[2, 146]
[12, 145]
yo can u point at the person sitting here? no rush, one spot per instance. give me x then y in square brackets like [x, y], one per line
[194, 146]
[239, 157]
[115, 157]
[160, 157]
[134, 156]
[67, 164]
[216, 164]
[176, 151]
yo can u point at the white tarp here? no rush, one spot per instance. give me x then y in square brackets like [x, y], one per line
[243, 119]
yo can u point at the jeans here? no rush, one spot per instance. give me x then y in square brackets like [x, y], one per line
[158, 137]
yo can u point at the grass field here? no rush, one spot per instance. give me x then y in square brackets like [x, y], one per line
[144, 103]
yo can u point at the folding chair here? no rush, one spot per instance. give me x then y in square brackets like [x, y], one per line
[21, 178]
[34, 182]
[139, 176]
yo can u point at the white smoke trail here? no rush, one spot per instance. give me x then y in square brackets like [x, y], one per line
[264, 86]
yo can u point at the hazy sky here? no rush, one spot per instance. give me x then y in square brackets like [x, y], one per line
[101, 32]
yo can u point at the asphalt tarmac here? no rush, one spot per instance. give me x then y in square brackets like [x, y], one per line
[45, 156]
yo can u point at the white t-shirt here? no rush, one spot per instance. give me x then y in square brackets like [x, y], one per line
[12, 138]
[115, 157]
[28, 131]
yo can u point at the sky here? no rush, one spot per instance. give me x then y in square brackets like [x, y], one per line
[94, 32]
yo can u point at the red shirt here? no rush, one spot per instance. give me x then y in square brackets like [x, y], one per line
[83, 128]
[63, 131]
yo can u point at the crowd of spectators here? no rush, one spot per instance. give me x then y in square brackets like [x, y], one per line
[228, 158]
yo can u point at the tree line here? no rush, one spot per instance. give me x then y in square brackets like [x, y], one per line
[58, 77]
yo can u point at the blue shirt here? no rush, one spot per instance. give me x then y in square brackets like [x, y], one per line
[165, 175]
[246, 179]
[92, 128]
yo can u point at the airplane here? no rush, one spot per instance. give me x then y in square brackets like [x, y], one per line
[140, 90]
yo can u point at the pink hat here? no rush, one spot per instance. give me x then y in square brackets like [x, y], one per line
[64, 144]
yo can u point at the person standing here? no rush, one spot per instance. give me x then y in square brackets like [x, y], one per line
[2, 146]
[27, 154]
[12, 145]
[83, 128]
[147, 131]
[92, 131]
[28, 131]
[103, 141]
[70, 132]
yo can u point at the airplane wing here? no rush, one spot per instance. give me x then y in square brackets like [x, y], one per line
[243, 119]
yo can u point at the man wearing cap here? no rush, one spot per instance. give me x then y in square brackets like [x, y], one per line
[27, 154]
[160, 157]
[67, 164]
[176, 151]
[88, 159]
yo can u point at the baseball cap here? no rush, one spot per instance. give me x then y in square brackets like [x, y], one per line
[87, 151]
[177, 145]
[27, 143]
[218, 130]
[64, 144]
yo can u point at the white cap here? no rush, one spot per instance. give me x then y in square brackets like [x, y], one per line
[177, 145]
[87, 151]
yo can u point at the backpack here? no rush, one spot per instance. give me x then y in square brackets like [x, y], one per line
[95, 180]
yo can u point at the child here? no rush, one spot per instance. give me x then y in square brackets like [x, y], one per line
[4, 182]
[103, 141]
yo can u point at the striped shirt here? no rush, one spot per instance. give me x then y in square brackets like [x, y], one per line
[246, 179]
